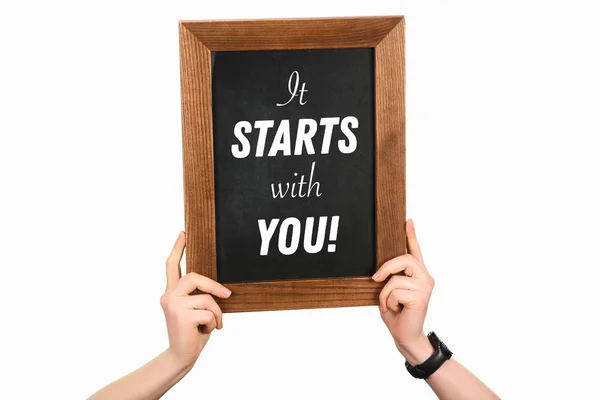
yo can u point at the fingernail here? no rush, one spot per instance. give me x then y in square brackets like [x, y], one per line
[226, 291]
[376, 275]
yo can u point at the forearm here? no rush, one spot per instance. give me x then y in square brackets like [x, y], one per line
[451, 381]
[151, 381]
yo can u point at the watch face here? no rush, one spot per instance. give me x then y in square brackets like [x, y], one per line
[445, 350]
[433, 338]
[436, 341]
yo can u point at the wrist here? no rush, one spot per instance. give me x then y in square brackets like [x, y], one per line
[176, 363]
[416, 351]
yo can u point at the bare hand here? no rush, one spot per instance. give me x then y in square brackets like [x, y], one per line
[190, 319]
[404, 299]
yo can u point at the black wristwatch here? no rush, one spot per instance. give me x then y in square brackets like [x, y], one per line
[429, 366]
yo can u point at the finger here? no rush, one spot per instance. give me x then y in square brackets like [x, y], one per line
[396, 282]
[173, 270]
[399, 298]
[411, 241]
[204, 320]
[193, 281]
[206, 302]
[407, 263]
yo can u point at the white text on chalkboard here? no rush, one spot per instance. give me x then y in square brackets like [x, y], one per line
[273, 138]
[295, 80]
[280, 193]
[285, 248]
[281, 142]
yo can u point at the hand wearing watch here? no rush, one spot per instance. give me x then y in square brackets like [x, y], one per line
[434, 362]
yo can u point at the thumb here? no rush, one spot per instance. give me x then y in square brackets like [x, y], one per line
[412, 243]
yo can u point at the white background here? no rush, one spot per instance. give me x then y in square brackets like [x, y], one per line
[503, 104]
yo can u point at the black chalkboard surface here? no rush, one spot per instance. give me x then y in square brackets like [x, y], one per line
[293, 134]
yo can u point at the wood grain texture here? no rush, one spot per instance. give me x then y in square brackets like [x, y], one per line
[390, 146]
[301, 294]
[197, 40]
[198, 163]
[292, 34]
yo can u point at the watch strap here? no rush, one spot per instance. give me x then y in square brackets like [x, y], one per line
[434, 362]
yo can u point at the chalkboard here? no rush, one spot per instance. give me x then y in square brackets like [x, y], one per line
[293, 157]
[294, 164]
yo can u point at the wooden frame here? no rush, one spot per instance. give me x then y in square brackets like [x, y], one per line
[197, 40]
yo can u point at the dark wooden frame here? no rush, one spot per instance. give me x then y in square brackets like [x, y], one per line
[197, 40]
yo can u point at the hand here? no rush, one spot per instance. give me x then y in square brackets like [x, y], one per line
[190, 319]
[404, 299]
